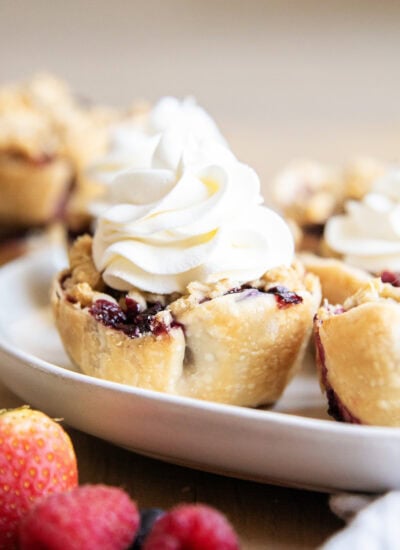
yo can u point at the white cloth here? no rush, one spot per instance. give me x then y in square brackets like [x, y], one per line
[374, 522]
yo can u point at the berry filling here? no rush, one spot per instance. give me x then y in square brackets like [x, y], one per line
[284, 297]
[336, 408]
[247, 291]
[132, 322]
[391, 277]
[38, 161]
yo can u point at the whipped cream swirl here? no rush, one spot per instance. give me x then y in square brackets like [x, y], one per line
[368, 234]
[133, 142]
[195, 214]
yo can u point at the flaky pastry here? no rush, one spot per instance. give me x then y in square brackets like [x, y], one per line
[338, 280]
[358, 355]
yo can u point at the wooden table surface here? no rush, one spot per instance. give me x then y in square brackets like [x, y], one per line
[263, 515]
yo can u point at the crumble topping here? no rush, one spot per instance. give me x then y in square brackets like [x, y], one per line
[43, 117]
[84, 285]
[373, 291]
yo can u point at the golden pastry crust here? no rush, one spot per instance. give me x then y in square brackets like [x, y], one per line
[338, 280]
[238, 346]
[359, 355]
[32, 194]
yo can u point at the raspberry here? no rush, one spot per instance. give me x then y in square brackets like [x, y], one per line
[90, 516]
[192, 527]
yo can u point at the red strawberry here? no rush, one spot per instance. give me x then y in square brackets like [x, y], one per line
[36, 458]
[90, 516]
[192, 527]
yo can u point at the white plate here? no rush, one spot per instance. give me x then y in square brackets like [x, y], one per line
[295, 444]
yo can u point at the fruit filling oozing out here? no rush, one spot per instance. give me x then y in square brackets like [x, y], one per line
[38, 161]
[336, 408]
[283, 296]
[132, 321]
[135, 322]
[392, 277]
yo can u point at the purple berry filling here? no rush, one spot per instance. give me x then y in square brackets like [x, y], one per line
[40, 160]
[391, 277]
[135, 323]
[336, 408]
[237, 289]
[132, 322]
[246, 291]
[284, 296]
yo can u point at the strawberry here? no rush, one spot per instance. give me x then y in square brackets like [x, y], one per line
[36, 459]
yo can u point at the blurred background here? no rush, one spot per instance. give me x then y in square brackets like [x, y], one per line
[283, 79]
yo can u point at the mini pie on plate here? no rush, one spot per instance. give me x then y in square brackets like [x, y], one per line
[358, 355]
[230, 344]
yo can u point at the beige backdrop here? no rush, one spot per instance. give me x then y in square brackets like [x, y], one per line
[283, 79]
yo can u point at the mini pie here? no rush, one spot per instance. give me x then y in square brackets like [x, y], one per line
[230, 344]
[309, 193]
[46, 140]
[358, 355]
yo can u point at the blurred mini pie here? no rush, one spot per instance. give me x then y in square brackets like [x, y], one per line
[188, 286]
[360, 175]
[358, 355]
[238, 345]
[367, 234]
[360, 243]
[310, 193]
[47, 139]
